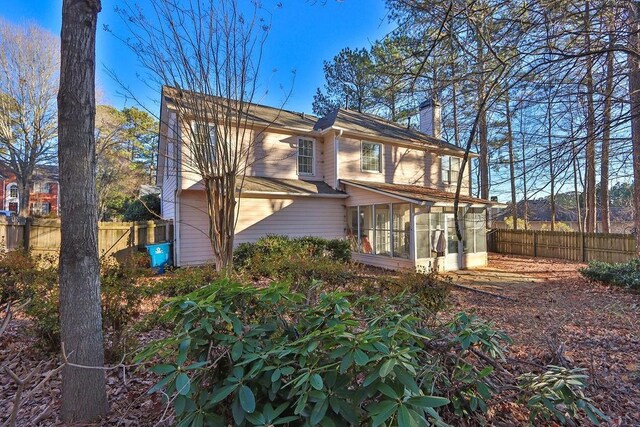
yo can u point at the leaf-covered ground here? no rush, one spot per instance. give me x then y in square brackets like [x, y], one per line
[552, 313]
[555, 316]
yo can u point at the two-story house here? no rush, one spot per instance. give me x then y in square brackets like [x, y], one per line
[43, 199]
[388, 189]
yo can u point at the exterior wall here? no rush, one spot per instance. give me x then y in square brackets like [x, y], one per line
[383, 261]
[329, 163]
[478, 259]
[294, 216]
[168, 157]
[358, 196]
[400, 165]
[275, 155]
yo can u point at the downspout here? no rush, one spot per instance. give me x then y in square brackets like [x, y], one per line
[336, 147]
[176, 198]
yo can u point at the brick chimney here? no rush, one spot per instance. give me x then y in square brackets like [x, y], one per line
[430, 118]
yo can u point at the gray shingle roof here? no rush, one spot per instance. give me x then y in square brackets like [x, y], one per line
[256, 184]
[369, 124]
[417, 192]
[261, 114]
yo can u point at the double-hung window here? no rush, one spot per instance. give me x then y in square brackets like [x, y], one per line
[450, 168]
[203, 149]
[371, 157]
[305, 156]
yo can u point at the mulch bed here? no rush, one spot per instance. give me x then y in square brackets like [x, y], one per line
[558, 317]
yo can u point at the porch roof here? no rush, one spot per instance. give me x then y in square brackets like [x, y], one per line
[288, 187]
[418, 194]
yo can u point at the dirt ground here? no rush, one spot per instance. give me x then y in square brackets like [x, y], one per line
[552, 314]
[556, 316]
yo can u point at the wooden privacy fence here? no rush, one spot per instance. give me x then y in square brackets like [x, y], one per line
[42, 236]
[581, 247]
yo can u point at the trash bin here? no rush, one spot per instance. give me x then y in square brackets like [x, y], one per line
[160, 255]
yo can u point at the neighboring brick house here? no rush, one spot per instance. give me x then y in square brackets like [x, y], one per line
[44, 191]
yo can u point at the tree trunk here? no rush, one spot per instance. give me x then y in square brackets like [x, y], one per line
[525, 215]
[84, 396]
[634, 91]
[606, 139]
[512, 172]
[24, 196]
[576, 193]
[552, 178]
[221, 202]
[590, 172]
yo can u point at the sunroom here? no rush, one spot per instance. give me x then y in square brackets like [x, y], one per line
[405, 227]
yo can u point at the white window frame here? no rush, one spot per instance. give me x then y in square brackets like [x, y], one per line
[213, 138]
[380, 162]
[11, 187]
[313, 156]
[446, 173]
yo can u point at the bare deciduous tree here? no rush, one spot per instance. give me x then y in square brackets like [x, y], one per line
[84, 396]
[29, 65]
[206, 55]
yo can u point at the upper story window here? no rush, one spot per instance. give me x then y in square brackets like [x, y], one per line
[13, 190]
[204, 144]
[371, 157]
[305, 156]
[450, 167]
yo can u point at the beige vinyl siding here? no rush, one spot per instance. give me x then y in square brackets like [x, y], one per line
[329, 160]
[274, 155]
[167, 198]
[361, 197]
[167, 158]
[400, 165]
[294, 216]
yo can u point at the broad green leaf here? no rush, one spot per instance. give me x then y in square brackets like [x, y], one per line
[404, 417]
[236, 350]
[163, 369]
[179, 404]
[183, 383]
[382, 411]
[360, 357]
[247, 399]
[163, 382]
[387, 391]
[428, 401]
[316, 381]
[387, 367]
[222, 394]
[319, 411]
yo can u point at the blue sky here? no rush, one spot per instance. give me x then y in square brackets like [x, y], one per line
[304, 33]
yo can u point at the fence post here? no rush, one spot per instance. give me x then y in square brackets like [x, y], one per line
[26, 234]
[535, 244]
[151, 232]
[583, 246]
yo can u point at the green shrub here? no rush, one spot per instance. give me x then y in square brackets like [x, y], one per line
[247, 356]
[36, 277]
[430, 290]
[122, 296]
[181, 281]
[558, 394]
[283, 247]
[625, 274]
[146, 208]
[17, 270]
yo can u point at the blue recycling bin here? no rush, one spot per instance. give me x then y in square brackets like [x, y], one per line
[160, 255]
